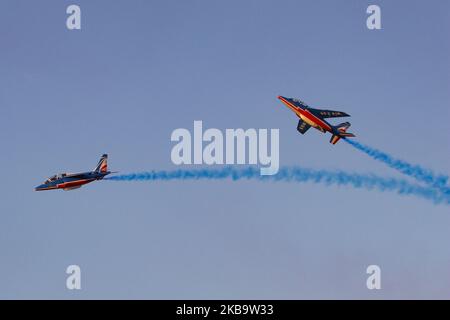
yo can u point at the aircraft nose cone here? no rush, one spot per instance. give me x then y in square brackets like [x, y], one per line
[284, 99]
[39, 188]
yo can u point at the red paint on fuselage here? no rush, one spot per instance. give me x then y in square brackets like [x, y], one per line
[75, 183]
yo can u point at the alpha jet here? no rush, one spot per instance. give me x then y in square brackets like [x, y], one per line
[315, 118]
[71, 181]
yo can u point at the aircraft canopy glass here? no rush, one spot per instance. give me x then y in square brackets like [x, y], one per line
[299, 101]
[55, 177]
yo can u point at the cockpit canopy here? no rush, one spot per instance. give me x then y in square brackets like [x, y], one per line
[299, 102]
[56, 177]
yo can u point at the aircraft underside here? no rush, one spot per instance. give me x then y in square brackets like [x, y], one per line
[311, 123]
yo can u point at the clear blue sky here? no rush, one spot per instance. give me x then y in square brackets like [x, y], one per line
[140, 69]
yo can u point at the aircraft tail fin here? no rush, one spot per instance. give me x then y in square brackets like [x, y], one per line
[102, 165]
[342, 132]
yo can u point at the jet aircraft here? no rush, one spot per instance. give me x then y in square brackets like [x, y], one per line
[71, 181]
[315, 118]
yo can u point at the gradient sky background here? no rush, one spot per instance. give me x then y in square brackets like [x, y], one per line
[140, 69]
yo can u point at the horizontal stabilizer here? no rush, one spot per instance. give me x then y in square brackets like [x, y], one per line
[347, 135]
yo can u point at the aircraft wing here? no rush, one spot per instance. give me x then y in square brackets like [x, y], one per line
[302, 126]
[328, 113]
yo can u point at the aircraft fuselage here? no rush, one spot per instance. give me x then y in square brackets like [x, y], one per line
[308, 117]
[71, 181]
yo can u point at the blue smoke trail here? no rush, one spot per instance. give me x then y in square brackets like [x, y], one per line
[419, 173]
[293, 174]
